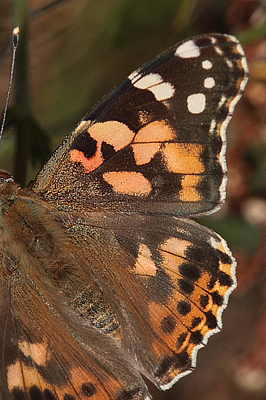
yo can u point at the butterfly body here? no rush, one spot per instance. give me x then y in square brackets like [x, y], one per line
[103, 276]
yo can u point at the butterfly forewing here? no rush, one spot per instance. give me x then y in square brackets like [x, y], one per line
[102, 278]
[157, 142]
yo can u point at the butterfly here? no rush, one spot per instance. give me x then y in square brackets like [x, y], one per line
[104, 278]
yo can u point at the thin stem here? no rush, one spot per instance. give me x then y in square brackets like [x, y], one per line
[22, 94]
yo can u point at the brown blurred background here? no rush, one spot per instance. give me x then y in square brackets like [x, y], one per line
[74, 52]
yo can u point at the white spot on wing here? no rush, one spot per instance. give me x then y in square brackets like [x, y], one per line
[219, 50]
[212, 126]
[155, 84]
[221, 103]
[209, 83]
[196, 103]
[134, 76]
[163, 91]
[188, 50]
[229, 63]
[148, 80]
[207, 64]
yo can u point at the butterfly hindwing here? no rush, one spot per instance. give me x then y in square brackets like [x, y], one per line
[158, 140]
[176, 277]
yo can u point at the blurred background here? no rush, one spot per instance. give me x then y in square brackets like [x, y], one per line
[71, 53]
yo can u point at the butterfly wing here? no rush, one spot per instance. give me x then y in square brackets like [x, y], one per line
[157, 142]
[170, 279]
[48, 354]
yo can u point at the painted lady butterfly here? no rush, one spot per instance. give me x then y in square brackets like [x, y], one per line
[102, 278]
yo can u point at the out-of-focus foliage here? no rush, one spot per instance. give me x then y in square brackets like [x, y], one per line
[77, 51]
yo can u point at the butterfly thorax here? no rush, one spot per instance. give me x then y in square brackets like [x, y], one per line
[30, 232]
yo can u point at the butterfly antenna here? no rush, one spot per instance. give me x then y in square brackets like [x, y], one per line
[15, 40]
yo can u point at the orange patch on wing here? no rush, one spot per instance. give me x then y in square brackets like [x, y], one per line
[130, 183]
[20, 375]
[144, 264]
[175, 246]
[143, 153]
[226, 268]
[195, 311]
[171, 262]
[156, 131]
[14, 376]
[189, 188]
[157, 313]
[173, 253]
[183, 158]
[39, 352]
[89, 164]
[114, 133]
